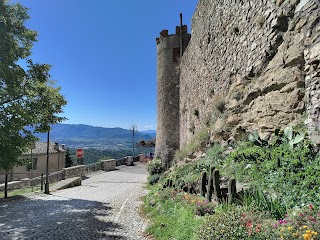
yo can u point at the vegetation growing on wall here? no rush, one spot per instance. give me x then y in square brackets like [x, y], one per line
[200, 138]
[196, 113]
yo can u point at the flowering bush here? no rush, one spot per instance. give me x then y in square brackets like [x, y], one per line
[300, 223]
[236, 223]
[223, 225]
[239, 222]
[153, 179]
[204, 207]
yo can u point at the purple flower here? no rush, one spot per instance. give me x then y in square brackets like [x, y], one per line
[282, 221]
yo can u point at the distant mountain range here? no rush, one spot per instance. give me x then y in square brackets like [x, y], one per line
[86, 136]
[151, 133]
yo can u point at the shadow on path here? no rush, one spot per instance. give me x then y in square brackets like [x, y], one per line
[53, 217]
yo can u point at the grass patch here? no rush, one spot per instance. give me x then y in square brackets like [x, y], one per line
[21, 191]
[171, 219]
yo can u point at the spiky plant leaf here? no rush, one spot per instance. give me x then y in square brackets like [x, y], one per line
[298, 138]
[288, 133]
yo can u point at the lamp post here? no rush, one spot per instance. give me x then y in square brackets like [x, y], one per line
[46, 185]
[59, 162]
[32, 146]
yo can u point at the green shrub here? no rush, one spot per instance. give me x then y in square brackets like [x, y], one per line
[214, 157]
[290, 174]
[190, 173]
[152, 179]
[184, 175]
[256, 198]
[155, 166]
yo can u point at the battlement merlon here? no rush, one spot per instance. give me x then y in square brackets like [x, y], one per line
[165, 33]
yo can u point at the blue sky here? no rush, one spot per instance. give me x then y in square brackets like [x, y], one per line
[103, 54]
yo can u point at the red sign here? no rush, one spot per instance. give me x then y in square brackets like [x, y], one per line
[79, 153]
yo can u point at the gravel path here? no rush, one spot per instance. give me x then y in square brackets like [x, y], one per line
[105, 207]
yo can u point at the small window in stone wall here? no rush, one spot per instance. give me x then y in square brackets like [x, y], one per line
[31, 165]
[175, 54]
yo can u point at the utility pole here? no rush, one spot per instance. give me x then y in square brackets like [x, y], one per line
[133, 127]
[31, 169]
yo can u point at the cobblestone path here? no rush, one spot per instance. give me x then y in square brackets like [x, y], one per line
[104, 207]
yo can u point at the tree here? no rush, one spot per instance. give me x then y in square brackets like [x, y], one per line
[68, 160]
[28, 98]
[142, 144]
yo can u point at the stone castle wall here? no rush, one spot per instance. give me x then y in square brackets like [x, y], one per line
[249, 65]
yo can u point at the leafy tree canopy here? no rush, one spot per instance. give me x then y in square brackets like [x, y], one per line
[27, 95]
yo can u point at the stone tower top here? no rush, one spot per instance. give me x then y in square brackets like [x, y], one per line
[165, 33]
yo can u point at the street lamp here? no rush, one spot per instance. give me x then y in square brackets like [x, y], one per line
[32, 146]
[46, 185]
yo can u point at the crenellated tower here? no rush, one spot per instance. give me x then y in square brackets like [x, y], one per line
[169, 51]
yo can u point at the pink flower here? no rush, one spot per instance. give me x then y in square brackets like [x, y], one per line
[249, 224]
[311, 207]
[312, 219]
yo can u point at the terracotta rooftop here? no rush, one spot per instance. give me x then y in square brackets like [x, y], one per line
[41, 148]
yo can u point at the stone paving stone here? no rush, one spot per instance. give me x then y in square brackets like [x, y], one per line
[104, 207]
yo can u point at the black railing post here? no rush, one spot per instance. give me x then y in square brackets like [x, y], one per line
[6, 186]
[41, 181]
